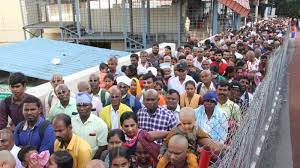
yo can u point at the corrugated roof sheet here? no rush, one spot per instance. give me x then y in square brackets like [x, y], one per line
[33, 57]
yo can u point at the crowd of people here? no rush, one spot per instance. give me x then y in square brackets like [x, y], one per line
[159, 111]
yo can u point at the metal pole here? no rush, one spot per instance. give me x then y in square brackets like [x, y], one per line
[124, 20]
[256, 10]
[109, 14]
[237, 21]
[148, 16]
[46, 10]
[23, 19]
[101, 26]
[131, 16]
[60, 19]
[144, 29]
[38, 10]
[215, 18]
[78, 18]
[89, 15]
[178, 11]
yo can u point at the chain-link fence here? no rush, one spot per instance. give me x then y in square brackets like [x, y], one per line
[249, 137]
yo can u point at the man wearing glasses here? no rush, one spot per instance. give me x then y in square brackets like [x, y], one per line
[66, 104]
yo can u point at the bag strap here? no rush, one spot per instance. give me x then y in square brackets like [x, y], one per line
[42, 128]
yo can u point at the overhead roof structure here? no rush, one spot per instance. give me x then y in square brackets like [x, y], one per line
[41, 58]
[242, 7]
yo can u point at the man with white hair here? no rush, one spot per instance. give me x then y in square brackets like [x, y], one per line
[7, 160]
[123, 83]
[51, 98]
[199, 57]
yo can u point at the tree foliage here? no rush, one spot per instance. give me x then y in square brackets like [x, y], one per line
[289, 8]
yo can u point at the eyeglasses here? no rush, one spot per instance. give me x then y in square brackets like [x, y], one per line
[61, 92]
[210, 101]
[94, 80]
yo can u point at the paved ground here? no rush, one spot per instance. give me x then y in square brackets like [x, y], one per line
[294, 105]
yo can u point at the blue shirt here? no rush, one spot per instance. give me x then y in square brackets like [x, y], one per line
[30, 136]
[134, 103]
[216, 126]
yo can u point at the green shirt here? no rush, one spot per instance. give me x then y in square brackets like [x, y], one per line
[58, 108]
[94, 131]
[232, 110]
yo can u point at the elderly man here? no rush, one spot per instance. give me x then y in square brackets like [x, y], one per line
[252, 62]
[51, 98]
[66, 105]
[7, 142]
[177, 151]
[112, 63]
[199, 57]
[178, 82]
[206, 83]
[231, 109]
[12, 105]
[205, 65]
[98, 92]
[111, 113]
[88, 126]
[34, 130]
[124, 83]
[211, 118]
[84, 86]
[192, 70]
[153, 117]
[66, 140]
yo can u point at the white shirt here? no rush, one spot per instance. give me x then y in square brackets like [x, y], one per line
[253, 66]
[175, 84]
[204, 89]
[176, 112]
[197, 63]
[97, 104]
[14, 151]
[114, 117]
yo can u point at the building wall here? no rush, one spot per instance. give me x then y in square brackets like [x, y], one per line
[10, 22]
[162, 20]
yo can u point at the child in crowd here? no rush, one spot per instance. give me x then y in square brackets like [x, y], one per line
[119, 157]
[60, 159]
[187, 128]
[103, 68]
[30, 158]
[109, 81]
[115, 138]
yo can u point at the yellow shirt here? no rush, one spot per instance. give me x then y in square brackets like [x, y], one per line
[231, 109]
[105, 114]
[79, 149]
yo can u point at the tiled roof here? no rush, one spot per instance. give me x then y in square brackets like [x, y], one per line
[34, 57]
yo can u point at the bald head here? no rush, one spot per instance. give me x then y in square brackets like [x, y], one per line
[96, 164]
[7, 139]
[179, 141]
[84, 86]
[187, 113]
[150, 92]
[7, 159]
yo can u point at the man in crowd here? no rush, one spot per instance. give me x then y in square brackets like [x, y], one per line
[154, 55]
[112, 63]
[206, 83]
[66, 140]
[231, 109]
[177, 151]
[153, 117]
[34, 130]
[7, 142]
[51, 98]
[111, 113]
[172, 99]
[66, 104]
[98, 92]
[123, 83]
[88, 126]
[12, 106]
[199, 57]
[178, 83]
